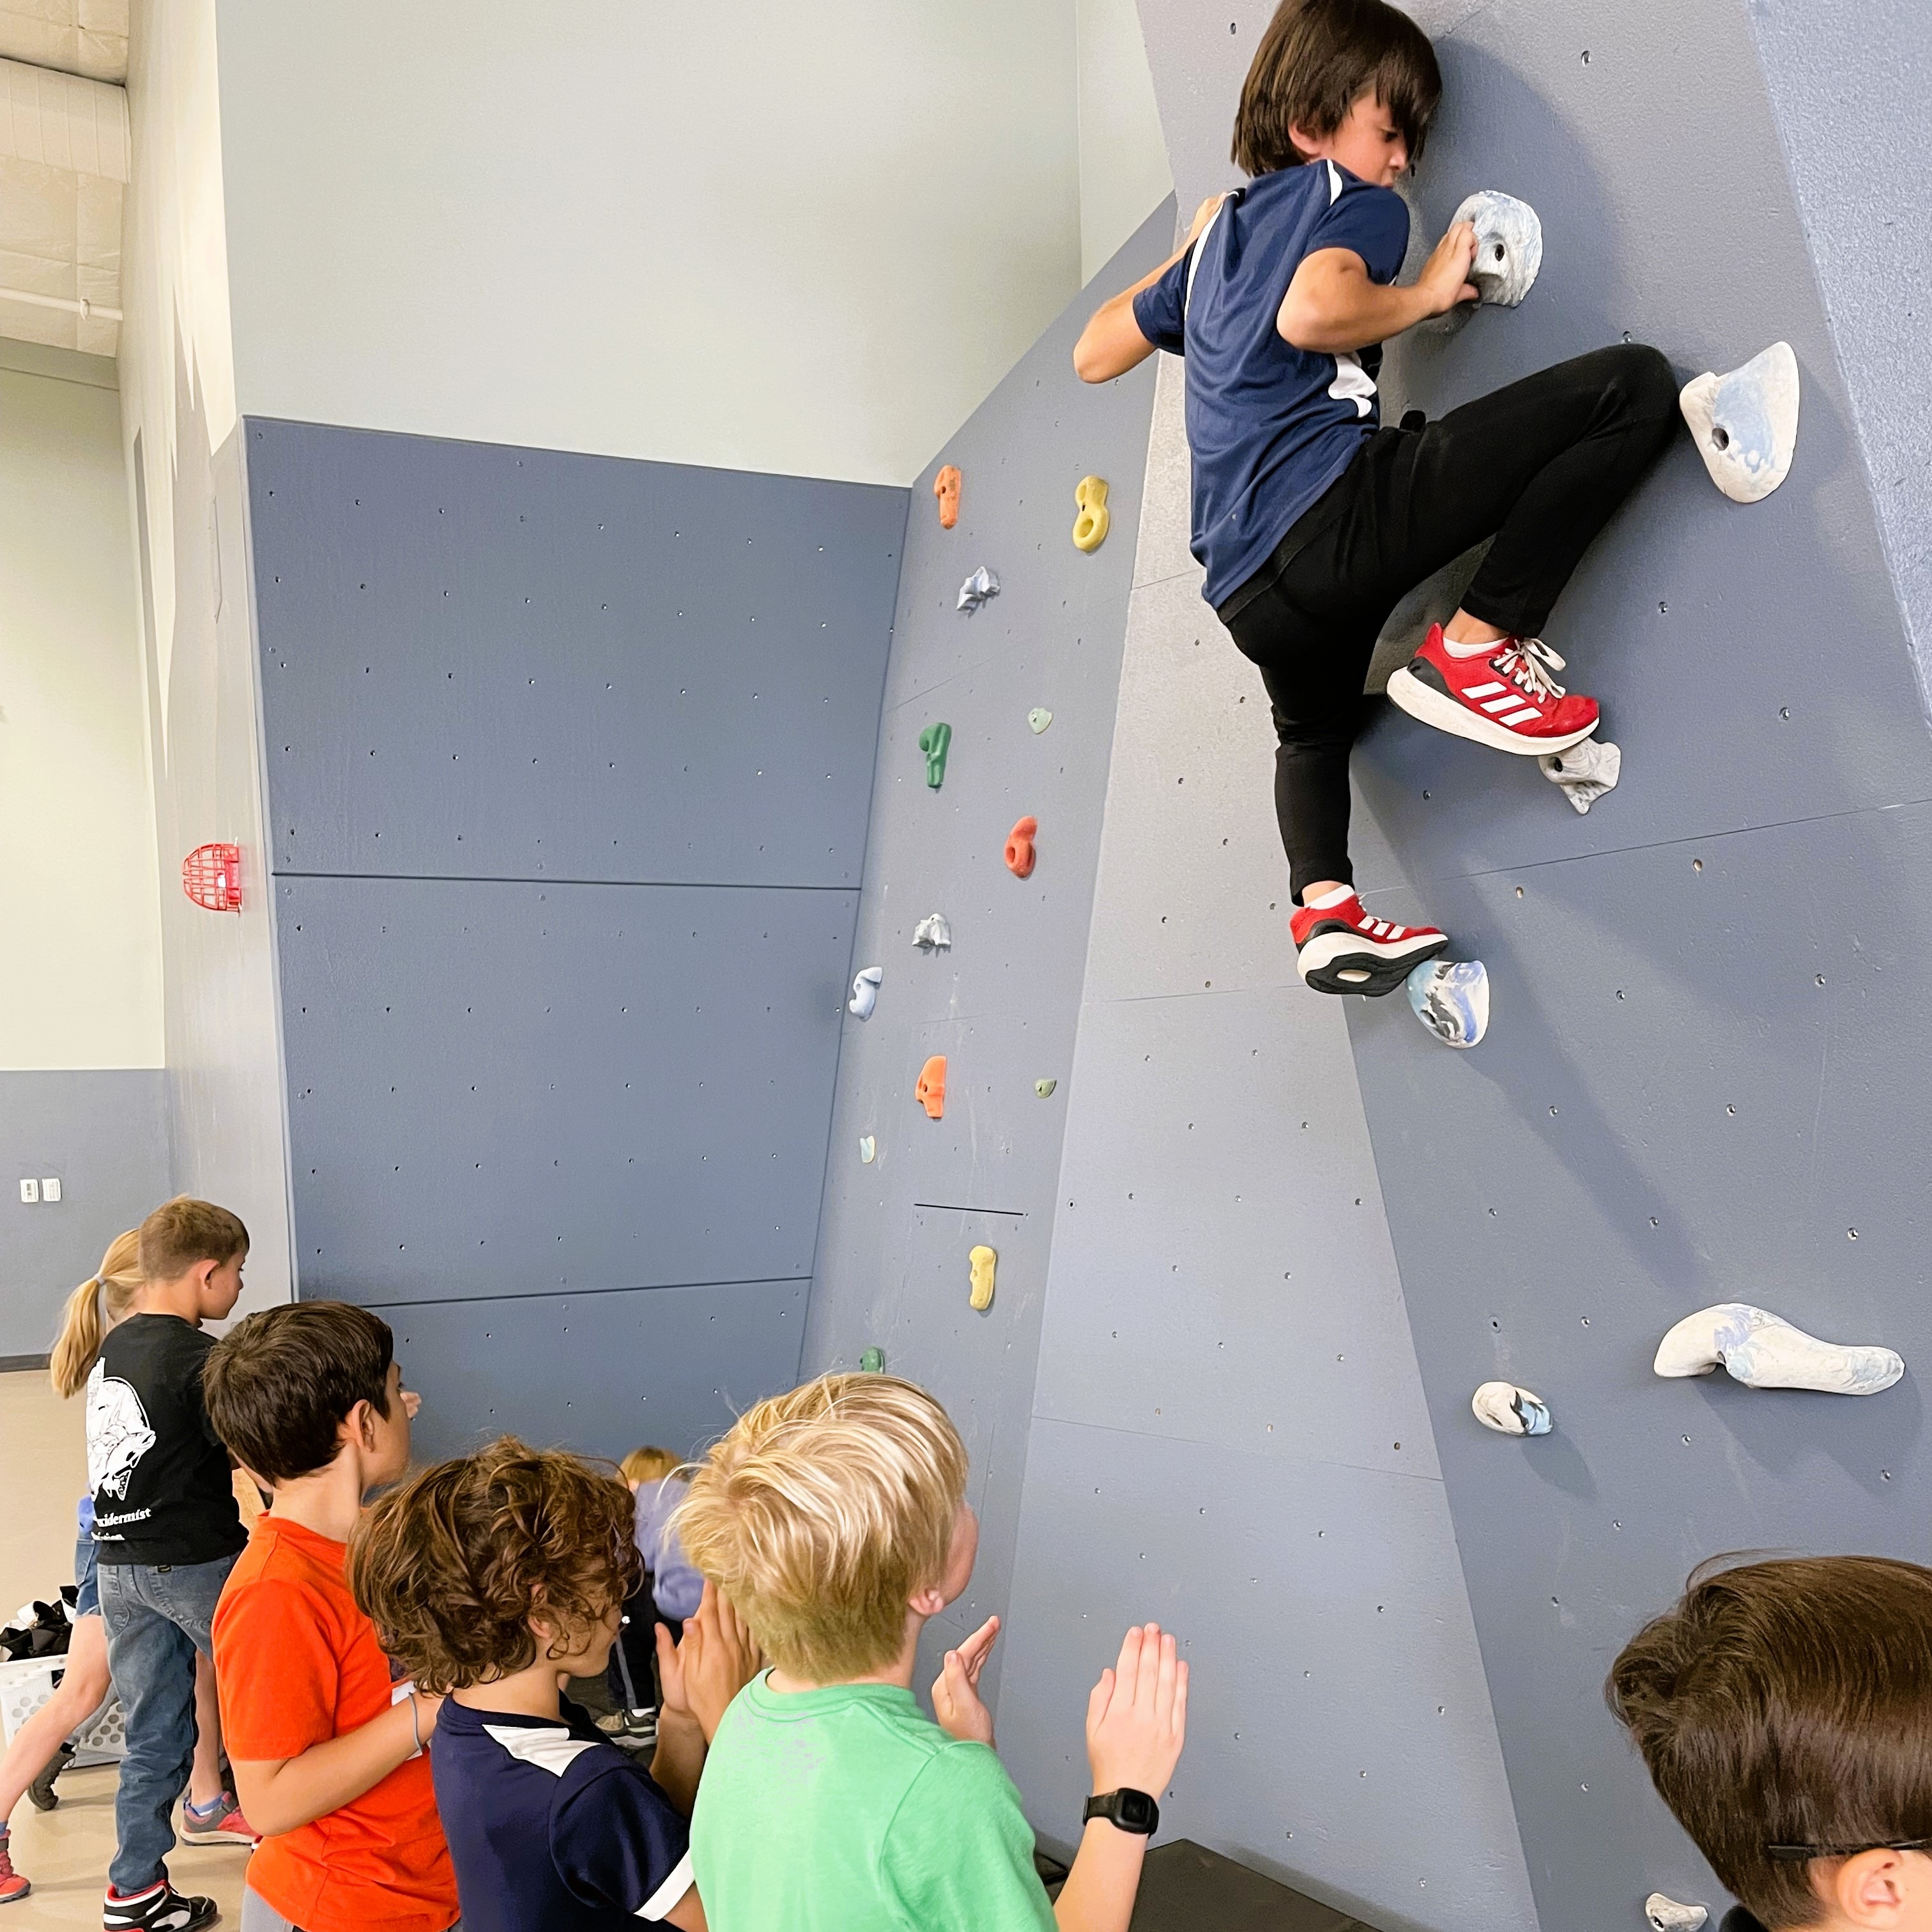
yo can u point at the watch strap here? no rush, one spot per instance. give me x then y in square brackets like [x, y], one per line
[1126, 1810]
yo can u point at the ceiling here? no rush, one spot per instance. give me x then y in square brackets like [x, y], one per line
[63, 149]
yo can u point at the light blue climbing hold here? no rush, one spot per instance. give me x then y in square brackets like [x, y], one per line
[1509, 245]
[1451, 998]
[1745, 424]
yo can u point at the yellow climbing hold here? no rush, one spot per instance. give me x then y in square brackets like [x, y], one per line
[983, 1261]
[1089, 527]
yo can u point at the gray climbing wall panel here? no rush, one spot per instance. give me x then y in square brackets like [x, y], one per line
[1230, 1433]
[1002, 1004]
[1670, 1110]
[602, 1373]
[569, 764]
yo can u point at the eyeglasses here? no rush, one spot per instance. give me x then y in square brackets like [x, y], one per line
[1798, 1854]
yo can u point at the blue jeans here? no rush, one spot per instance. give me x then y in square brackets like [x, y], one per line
[157, 1617]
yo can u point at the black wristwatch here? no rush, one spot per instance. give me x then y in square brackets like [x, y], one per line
[1132, 1811]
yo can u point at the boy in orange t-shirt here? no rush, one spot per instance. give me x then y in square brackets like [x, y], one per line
[327, 1748]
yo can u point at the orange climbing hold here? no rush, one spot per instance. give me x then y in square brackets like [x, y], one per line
[930, 1091]
[946, 488]
[1019, 848]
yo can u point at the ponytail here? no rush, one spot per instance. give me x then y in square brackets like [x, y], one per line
[82, 1325]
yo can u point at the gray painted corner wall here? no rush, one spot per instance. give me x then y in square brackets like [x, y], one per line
[1230, 1433]
[104, 1133]
[569, 763]
[1002, 1004]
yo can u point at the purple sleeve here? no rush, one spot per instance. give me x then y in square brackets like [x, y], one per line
[1161, 307]
[618, 1842]
[1372, 222]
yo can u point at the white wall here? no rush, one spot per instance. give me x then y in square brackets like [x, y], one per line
[177, 389]
[807, 239]
[80, 982]
[1124, 171]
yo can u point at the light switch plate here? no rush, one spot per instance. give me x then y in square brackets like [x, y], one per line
[50, 1187]
[30, 1192]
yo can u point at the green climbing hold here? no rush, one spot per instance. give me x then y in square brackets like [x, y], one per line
[1039, 718]
[873, 1361]
[1044, 1088]
[934, 742]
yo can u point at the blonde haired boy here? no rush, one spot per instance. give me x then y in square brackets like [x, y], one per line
[835, 1518]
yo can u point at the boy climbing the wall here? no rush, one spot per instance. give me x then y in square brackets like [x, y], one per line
[1313, 519]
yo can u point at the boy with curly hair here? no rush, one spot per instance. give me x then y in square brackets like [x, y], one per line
[1784, 1710]
[1312, 519]
[835, 1518]
[493, 1577]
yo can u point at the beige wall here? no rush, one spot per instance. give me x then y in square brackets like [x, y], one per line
[80, 970]
[1123, 172]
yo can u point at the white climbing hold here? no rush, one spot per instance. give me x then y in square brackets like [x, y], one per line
[1039, 718]
[865, 991]
[977, 588]
[932, 934]
[1746, 423]
[1044, 1088]
[1762, 1350]
[1509, 245]
[1510, 1411]
[869, 1149]
[1451, 998]
[1666, 1915]
[1587, 770]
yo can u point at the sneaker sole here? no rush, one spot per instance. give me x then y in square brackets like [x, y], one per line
[1430, 707]
[14, 1897]
[218, 1838]
[1328, 964]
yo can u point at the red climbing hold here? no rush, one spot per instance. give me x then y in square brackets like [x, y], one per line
[1019, 848]
[930, 1091]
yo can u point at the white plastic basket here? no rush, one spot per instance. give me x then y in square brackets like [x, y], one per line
[28, 1685]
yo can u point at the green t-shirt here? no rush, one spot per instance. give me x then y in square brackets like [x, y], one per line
[848, 1810]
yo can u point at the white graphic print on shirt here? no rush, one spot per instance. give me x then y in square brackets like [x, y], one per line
[118, 1435]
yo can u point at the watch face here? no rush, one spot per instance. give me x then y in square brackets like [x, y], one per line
[1136, 1809]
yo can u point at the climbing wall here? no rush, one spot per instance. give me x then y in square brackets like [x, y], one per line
[1700, 1082]
[569, 762]
[1001, 1004]
[1229, 1433]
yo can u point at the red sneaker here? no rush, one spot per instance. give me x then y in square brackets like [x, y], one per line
[1339, 949]
[12, 1885]
[219, 1823]
[1503, 697]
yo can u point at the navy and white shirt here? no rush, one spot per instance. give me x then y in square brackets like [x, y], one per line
[551, 1827]
[1270, 426]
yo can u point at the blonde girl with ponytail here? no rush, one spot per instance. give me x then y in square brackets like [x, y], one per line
[41, 1744]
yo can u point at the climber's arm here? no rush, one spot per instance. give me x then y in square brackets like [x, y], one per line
[1332, 307]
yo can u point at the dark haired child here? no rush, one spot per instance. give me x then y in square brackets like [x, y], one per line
[166, 1533]
[327, 1748]
[1312, 519]
[494, 1577]
[1784, 1710]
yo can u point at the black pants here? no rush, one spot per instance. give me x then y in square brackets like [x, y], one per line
[1540, 466]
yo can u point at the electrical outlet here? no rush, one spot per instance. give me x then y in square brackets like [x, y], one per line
[30, 1192]
[50, 1188]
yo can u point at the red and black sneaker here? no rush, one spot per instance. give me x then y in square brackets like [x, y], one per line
[1503, 697]
[158, 1908]
[1339, 949]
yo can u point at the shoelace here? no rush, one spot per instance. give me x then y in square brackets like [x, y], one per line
[1523, 662]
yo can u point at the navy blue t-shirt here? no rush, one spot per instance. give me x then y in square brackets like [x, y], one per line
[551, 1827]
[1270, 426]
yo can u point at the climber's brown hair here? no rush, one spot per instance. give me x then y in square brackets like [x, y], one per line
[1316, 58]
[451, 1566]
[1788, 1703]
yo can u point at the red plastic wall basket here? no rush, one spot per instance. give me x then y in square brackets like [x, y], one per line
[211, 877]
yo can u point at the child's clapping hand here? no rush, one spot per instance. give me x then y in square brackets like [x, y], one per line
[718, 1656]
[956, 1690]
[1137, 1716]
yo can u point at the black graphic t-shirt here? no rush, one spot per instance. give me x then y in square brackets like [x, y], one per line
[162, 1493]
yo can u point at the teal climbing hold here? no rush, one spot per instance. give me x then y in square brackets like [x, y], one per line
[873, 1361]
[934, 741]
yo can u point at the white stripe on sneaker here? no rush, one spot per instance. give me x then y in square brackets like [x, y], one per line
[1484, 690]
[1493, 705]
[1521, 717]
